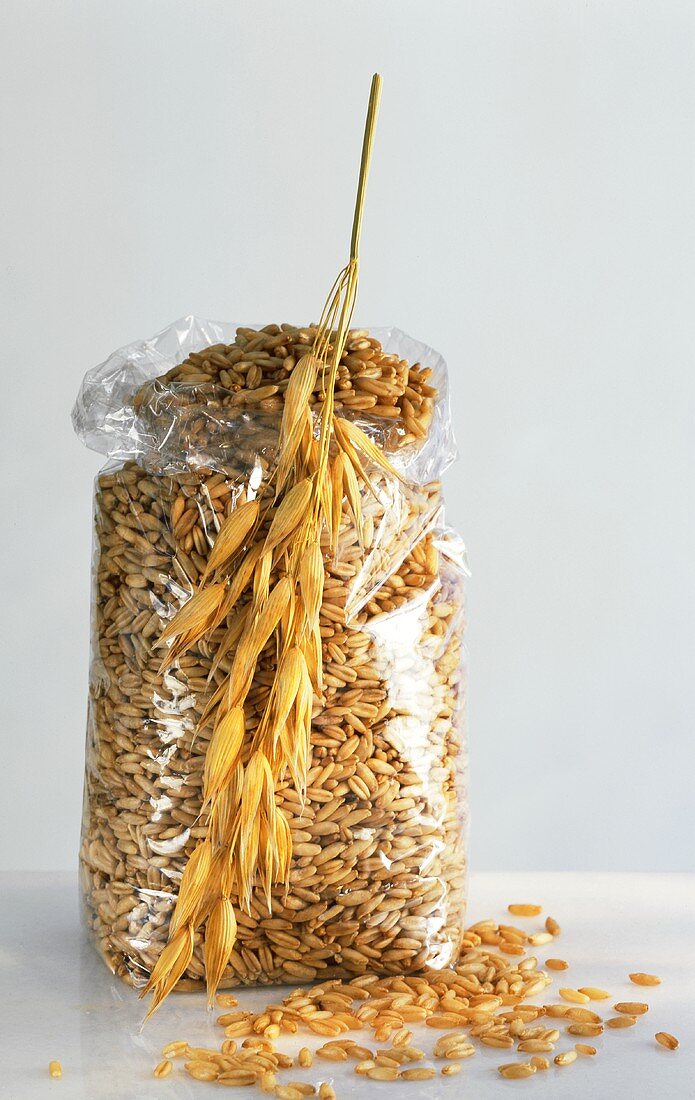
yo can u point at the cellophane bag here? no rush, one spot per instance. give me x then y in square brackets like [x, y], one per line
[189, 421]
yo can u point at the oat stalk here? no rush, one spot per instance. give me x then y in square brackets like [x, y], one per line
[248, 841]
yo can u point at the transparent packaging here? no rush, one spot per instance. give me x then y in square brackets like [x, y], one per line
[378, 874]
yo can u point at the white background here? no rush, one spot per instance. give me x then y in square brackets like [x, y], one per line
[531, 214]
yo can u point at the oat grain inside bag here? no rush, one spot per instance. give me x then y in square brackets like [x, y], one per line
[275, 780]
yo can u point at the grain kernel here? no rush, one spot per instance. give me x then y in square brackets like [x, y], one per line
[451, 1068]
[175, 1049]
[55, 1069]
[202, 1071]
[584, 1048]
[565, 1058]
[556, 964]
[575, 996]
[163, 1069]
[525, 910]
[644, 979]
[583, 1016]
[587, 1030]
[363, 1067]
[631, 1008]
[617, 1022]
[382, 1073]
[540, 938]
[517, 1070]
[332, 1054]
[666, 1040]
[499, 1041]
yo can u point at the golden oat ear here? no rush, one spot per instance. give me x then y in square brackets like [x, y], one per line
[248, 839]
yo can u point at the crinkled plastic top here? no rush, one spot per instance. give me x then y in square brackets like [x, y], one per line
[158, 434]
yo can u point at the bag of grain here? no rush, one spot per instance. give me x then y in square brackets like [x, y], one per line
[300, 762]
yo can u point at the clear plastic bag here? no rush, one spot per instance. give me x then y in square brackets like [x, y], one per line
[378, 873]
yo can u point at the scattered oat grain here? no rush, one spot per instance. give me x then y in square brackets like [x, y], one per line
[565, 1058]
[644, 979]
[666, 1040]
[556, 964]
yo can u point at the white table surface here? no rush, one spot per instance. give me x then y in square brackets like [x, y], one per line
[58, 1000]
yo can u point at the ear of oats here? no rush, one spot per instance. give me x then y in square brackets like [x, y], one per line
[252, 836]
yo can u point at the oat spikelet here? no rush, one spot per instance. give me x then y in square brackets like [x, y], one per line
[195, 615]
[228, 643]
[248, 839]
[352, 492]
[220, 934]
[231, 536]
[192, 885]
[296, 450]
[270, 613]
[289, 515]
[223, 753]
[311, 576]
[348, 430]
[336, 498]
[173, 960]
[289, 679]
